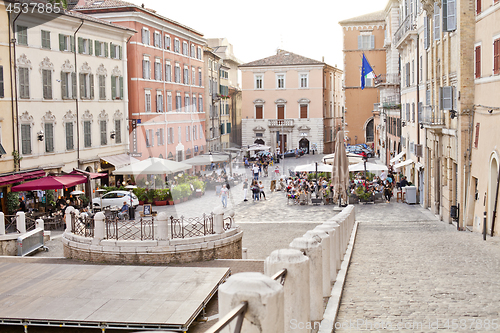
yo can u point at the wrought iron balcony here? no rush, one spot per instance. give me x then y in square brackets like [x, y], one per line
[432, 118]
[280, 123]
[387, 79]
[408, 27]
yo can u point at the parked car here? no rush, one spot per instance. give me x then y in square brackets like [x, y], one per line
[291, 153]
[359, 150]
[115, 198]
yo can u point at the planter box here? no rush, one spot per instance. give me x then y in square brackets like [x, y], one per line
[141, 202]
[184, 199]
[160, 203]
[170, 202]
[177, 201]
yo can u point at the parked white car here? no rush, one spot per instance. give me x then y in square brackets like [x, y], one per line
[115, 198]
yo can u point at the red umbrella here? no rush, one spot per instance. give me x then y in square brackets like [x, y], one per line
[51, 183]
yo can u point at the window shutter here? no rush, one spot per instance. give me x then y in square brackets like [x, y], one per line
[444, 5]
[72, 43]
[112, 50]
[478, 7]
[121, 87]
[478, 61]
[106, 50]
[428, 97]
[144, 69]
[228, 128]
[64, 85]
[372, 42]
[446, 98]
[426, 32]
[476, 138]
[80, 45]
[360, 42]
[120, 52]
[49, 84]
[91, 51]
[82, 85]
[437, 28]
[73, 85]
[61, 42]
[91, 79]
[113, 87]
[97, 48]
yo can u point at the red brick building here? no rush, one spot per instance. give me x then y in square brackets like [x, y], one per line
[165, 80]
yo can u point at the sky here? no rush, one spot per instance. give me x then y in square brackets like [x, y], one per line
[258, 28]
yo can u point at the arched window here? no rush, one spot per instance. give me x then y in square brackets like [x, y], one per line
[369, 131]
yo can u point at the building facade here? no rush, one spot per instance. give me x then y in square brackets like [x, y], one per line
[283, 102]
[362, 35]
[213, 100]
[165, 77]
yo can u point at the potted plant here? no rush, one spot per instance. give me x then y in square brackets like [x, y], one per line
[176, 194]
[199, 187]
[12, 202]
[186, 191]
[362, 194]
[150, 196]
[161, 197]
[141, 195]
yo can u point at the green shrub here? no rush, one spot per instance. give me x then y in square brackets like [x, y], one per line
[12, 202]
[50, 197]
[162, 194]
[361, 193]
[185, 189]
[198, 185]
[150, 195]
[140, 193]
[176, 192]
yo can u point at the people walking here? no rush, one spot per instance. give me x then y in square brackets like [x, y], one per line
[255, 170]
[261, 187]
[255, 190]
[388, 192]
[245, 190]
[224, 192]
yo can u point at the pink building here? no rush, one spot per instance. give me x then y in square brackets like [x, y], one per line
[165, 81]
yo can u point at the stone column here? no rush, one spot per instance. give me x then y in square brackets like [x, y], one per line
[2, 223]
[218, 220]
[21, 222]
[330, 230]
[39, 224]
[324, 240]
[337, 241]
[296, 287]
[99, 226]
[162, 229]
[265, 302]
[311, 248]
[67, 216]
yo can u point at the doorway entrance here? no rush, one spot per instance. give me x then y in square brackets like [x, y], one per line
[304, 144]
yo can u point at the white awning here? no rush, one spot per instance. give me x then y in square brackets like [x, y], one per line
[397, 157]
[402, 164]
[120, 160]
[419, 165]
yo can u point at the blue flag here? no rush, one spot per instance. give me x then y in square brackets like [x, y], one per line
[366, 72]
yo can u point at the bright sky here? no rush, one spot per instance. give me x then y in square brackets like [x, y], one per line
[257, 28]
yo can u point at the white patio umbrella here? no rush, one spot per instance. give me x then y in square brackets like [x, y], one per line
[153, 166]
[206, 159]
[352, 158]
[256, 147]
[312, 168]
[369, 167]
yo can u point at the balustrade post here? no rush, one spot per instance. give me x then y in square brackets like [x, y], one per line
[324, 240]
[311, 248]
[330, 230]
[67, 216]
[296, 287]
[39, 224]
[99, 226]
[338, 241]
[162, 230]
[2, 223]
[265, 302]
[21, 222]
[218, 220]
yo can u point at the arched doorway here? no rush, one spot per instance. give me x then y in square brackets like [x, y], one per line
[259, 141]
[369, 131]
[492, 188]
[304, 144]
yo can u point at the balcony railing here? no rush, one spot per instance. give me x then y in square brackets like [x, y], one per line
[387, 79]
[432, 117]
[280, 123]
[409, 24]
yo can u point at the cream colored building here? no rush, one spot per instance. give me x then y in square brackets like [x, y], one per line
[283, 101]
[212, 101]
[71, 95]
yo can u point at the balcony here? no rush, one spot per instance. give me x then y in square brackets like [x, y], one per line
[406, 29]
[387, 80]
[432, 119]
[280, 123]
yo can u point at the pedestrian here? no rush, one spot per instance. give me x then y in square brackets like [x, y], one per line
[255, 190]
[224, 192]
[255, 170]
[261, 187]
[245, 189]
[388, 192]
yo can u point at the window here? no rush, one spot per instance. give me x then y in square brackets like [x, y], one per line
[188, 133]
[407, 74]
[186, 75]
[200, 103]
[147, 99]
[161, 136]
[26, 139]
[366, 42]
[157, 39]
[49, 137]
[186, 103]
[116, 87]
[22, 35]
[118, 131]
[47, 83]
[87, 134]
[46, 39]
[280, 81]
[477, 57]
[170, 135]
[168, 71]
[199, 77]
[193, 51]
[201, 133]
[179, 132]
[68, 85]
[193, 76]
[449, 15]
[159, 101]
[496, 56]
[303, 111]
[66, 43]
[102, 87]
[145, 36]
[168, 42]
[412, 112]
[199, 54]
[146, 68]
[446, 98]
[177, 73]
[421, 69]
[2, 92]
[169, 101]
[84, 46]
[259, 114]
[86, 86]
[228, 128]
[194, 105]
[281, 112]
[303, 80]
[158, 75]
[101, 49]
[412, 71]
[177, 45]
[185, 48]
[478, 7]
[69, 136]
[222, 128]
[103, 131]
[426, 32]
[149, 138]
[437, 28]
[258, 82]
[178, 102]
[24, 83]
[115, 51]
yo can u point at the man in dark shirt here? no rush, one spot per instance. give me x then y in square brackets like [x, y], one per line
[403, 182]
[22, 205]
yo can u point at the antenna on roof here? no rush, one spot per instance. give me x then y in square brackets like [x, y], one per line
[142, 5]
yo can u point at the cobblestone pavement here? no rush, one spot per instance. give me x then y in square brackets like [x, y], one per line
[409, 268]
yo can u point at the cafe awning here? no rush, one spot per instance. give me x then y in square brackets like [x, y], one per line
[402, 164]
[120, 160]
[51, 183]
[397, 157]
[20, 176]
[92, 175]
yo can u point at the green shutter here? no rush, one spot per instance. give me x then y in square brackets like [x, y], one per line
[120, 51]
[113, 87]
[97, 48]
[91, 80]
[72, 43]
[73, 85]
[112, 50]
[90, 47]
[82, 85]
[121, 87]
[63, 85]
[106, 50]
[80, 45]
[61, 42]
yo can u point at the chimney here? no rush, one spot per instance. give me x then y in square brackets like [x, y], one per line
[323, 59]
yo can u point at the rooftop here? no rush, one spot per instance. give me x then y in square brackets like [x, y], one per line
[375, 16]
[283, 58]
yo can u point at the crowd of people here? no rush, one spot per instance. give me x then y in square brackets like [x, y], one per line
[385, 184]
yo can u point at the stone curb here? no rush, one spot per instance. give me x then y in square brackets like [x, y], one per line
[332, 308]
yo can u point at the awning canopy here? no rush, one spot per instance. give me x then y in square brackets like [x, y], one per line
[321, 167]
[206, 159]
[397, 157]
[120, 160]
[51, 183]
[369, 167]
[402, 164]
[256, 147]
[6, 180]
[20, 176]
[153, 166]
[92, 175]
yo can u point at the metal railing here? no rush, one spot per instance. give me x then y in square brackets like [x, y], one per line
[82, 225]
[280, 122]
[227, 223]
[408, 24]
[281, 276]
[129, 229]
[183, 227]
[11, 224]
[432, 117]
[237, 313]
[30, 223]
[387, 78]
